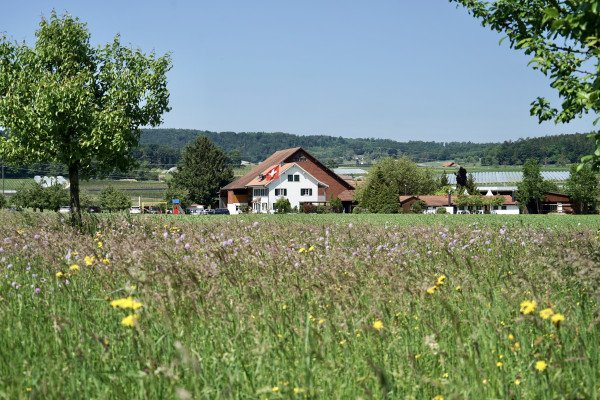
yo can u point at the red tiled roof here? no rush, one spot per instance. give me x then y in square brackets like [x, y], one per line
[441, 201]
[346, 195]
[274, 159]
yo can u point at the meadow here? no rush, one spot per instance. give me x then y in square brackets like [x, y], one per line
[318, 306]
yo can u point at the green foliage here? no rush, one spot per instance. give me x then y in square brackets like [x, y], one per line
[112, 199]
[479, 201]
[418, 207]
[202, 171]
[67, 102]
[282, 205]
[531, 189]
[336, 205]
[55, 197]
[562, 38]
[391, 178]
[33, 195]
[583, 189]
[470, 186]
[444, 179]
[3, 201]
[441, 210]
[174, 192]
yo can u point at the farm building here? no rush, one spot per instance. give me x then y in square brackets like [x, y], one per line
[291, 173]
[505, 205]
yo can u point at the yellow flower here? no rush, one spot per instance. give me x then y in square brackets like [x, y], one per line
[438, 397]
[105, 261]
[89, 260]
[100, 245]
[445, 376]
[342, 342]
[541, 365]
[557, 319]
[74, 267]
[311, 248]
[440, 280]
[517, 381]
[546, 313]
[378, 325]
[516, 346]
[59, 274]
[499, 364]
[321, 321]
[458, 289]
[302, 250]
[511, 337]
[129, 320]
[298, 390]
[275, 389]
[528, 306]
[127, 302]
[432, 290]
[417, 356]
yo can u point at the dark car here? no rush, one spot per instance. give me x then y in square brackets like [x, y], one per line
[221, 211]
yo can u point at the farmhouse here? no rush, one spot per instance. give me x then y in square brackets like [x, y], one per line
[291, 173]
[501, 204]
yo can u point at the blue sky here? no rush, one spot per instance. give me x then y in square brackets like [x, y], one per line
[404, 70]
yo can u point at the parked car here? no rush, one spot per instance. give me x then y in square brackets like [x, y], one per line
[64, 210]
[209, 211]
[135, 210]
[222, 211]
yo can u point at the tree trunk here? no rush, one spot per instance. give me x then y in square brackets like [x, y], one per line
[74, 194]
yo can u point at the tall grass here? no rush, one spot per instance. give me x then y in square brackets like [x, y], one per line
[297, 308]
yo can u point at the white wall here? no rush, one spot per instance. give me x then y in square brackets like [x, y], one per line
[306, 181]
[510, 209]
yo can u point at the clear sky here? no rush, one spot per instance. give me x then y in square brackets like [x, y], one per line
[404, 70]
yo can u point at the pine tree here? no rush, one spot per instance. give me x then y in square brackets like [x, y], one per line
[202, 171]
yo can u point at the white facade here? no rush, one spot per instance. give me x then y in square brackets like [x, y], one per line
[506, 210]
[302, 187]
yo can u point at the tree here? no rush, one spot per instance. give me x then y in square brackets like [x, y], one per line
[177, 193]
[64, 101]
[563, 39]
[202, 171]
[461, 179]
[54, 197]
[112, 199]
[531, 189]
[470, 185]
[583, 189]
[444, 179]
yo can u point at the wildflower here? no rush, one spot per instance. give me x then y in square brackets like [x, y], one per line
[417, 356]
[311, 248]
[342, 342]
[528, 306]
[298, 390]
[517, 381]
[105, 261]
[302, 250]
[126, 302]
[511, 337]
[445, 376]
[59, 274]
[440, 280]
[89, 260]
[321, 321]
[100, 245]
[378, 325]
[499, 364]
[546, 313]
[458, 289]
[283, 307]
[275, 389]
[541, 365]
[557, 319]
[129, 320]
[438, 397]
[432, 290]
[516, 346]
[74, 267]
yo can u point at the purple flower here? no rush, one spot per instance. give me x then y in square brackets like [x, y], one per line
[187, 246]
[37, 290]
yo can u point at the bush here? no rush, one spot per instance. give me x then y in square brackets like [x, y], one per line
[441, 210]
[418, 207]
[336, 205]
[3, 201]
[112, 199]
[308, 208]
[282, 206]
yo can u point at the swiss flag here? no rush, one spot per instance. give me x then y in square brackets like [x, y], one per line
[273, 173]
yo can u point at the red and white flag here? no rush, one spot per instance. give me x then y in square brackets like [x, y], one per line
[273, 173]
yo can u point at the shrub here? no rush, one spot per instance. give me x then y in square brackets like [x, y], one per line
[441, 210]
[308, 208]
[282, 206]
[336, 205]
[418, 207]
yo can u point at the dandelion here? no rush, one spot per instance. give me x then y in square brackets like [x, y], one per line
[546, 313]
[302, 250]
[105, 261]
[528, 306]
[130, 320]
[311, 248]
[499, 364]
[89, 260]
[517, 381]
[511, 337]
[74, 268]
[275, 389]
[59, 274]
[127, 302]
[100, 245]
[541, 365]
[557, 319]
[440, 280]
[378, 325]
[432, 290]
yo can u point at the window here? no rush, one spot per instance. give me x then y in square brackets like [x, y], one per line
[280, 192]
[260, 192]
[294, 178]
[305, 192]
[503, 207]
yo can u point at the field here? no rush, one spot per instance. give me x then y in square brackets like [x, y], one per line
[301, 306]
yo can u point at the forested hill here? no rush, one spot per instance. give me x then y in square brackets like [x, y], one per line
[256, 146]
